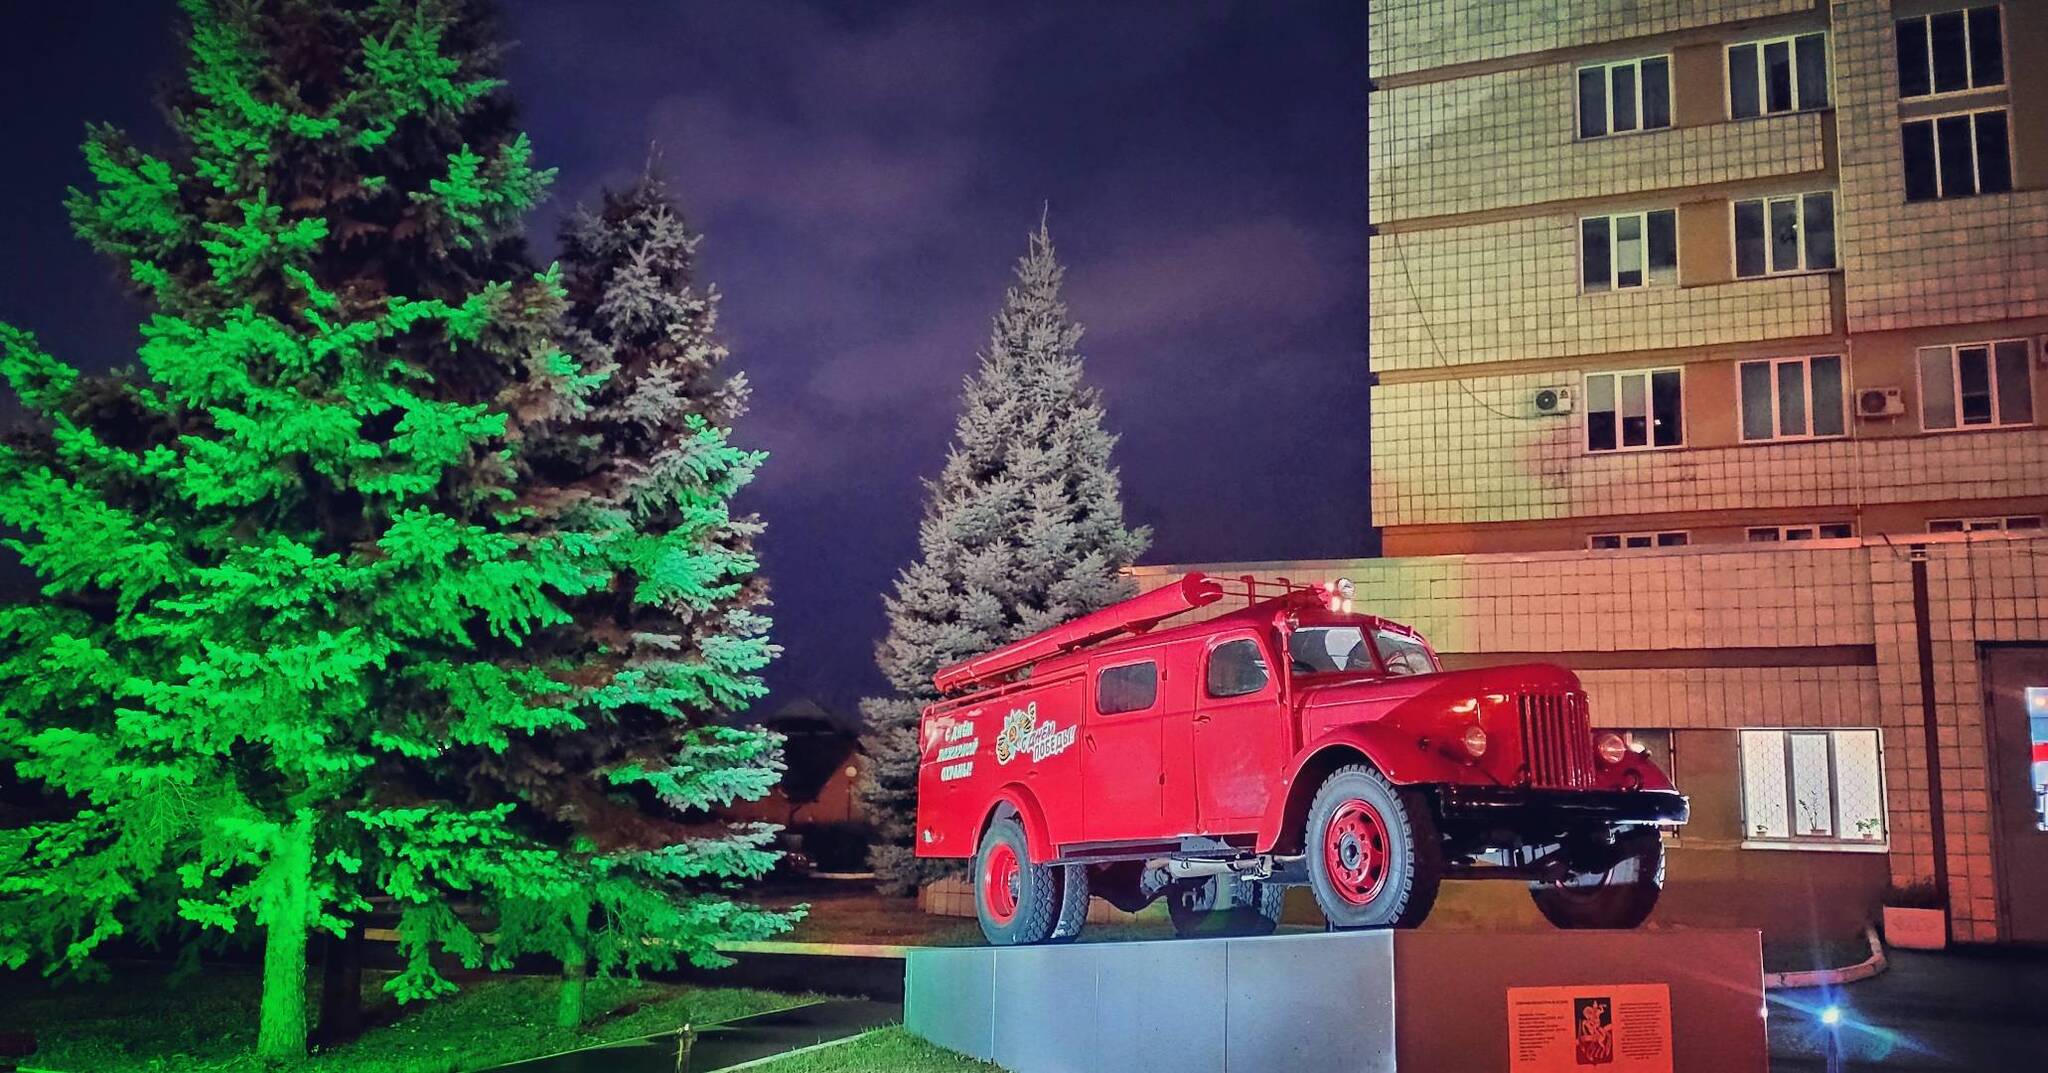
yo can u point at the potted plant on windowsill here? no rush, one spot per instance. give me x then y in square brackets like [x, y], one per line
[1914, 918]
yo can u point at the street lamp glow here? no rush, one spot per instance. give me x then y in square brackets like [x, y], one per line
[1832, 1015]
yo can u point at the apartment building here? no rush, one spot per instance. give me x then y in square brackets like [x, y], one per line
[1707, 339]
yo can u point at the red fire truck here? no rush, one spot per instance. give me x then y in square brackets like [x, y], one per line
[1289, 741]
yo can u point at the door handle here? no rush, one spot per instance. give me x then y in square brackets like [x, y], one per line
[1089, 741]
[1201, 718]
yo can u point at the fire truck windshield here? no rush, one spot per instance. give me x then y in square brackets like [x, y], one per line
[1328, 650]
[1341, 649]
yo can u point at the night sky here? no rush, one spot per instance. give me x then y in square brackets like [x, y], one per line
[865, 174]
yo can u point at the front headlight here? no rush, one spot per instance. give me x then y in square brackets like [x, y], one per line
[1610, 748]
[1474, 740]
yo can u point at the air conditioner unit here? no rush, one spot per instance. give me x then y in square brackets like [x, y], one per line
[1554, 400]
[1874, 402]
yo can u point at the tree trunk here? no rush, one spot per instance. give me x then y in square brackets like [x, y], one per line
[341, 988]
[575, 975]
[575, 969]
[285, 912]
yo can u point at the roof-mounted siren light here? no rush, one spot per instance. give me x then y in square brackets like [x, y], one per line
[1135, 615]
[1340, 596]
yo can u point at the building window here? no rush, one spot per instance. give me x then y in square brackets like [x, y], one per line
[1792, 398]
[1676, 538]
[1635, 411]
[1812, 788]
[1773, 534]
[1132, 687]
[2012, 523]
[1951, 52]
[1631, 249]
[1616, 98]
[1957, 155]
[1976, 385]
[1783, 74]
[1785, 234]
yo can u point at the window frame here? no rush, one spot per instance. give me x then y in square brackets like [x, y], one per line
[1791, 43]
[1799, 200]
[1209, 663]
[1832, 843]
[1926, 19]
[1655, 536]
[1955, 383]
[1782, 532]
[1933, 121]
[1805, 362]
[1105, 669]
[1997, 523]
[1606, 70]
[1614, 285]
[1650, 413]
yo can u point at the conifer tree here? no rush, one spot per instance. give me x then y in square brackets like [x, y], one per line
[1022, 530]
[671, 648]
[282, 566]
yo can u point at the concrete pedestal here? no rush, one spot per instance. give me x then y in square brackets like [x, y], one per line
[1406, 1001]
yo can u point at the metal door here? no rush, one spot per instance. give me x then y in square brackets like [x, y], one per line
[1240, 734]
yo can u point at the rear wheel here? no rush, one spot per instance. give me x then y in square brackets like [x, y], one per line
[1223, 906]
[1374, 857]
[1016, 901]
[1073, 913]
[1621, 897]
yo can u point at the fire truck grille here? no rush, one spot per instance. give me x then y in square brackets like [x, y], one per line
[1557, 740]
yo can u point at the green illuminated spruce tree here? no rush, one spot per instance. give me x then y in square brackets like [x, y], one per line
[282, 567]
[1022, 530]
[672, 646]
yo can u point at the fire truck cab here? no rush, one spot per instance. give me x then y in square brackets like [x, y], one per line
[1290, 741]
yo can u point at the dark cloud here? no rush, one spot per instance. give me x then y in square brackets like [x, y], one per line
[865, 174]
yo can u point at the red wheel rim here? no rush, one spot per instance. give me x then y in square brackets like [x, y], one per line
[999, 879]
[1356, 852]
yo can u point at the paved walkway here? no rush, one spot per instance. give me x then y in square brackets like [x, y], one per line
[726, 1045]
[1959, 1010]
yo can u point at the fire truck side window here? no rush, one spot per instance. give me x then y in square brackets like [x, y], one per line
[1237, 668]
[1132, 687]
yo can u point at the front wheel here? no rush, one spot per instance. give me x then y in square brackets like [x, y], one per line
[1224, 906]
[1621, 897]
[1374, 857]
[1016, 901]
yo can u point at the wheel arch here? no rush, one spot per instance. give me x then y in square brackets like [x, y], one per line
[1018, 800]
[1284, 827]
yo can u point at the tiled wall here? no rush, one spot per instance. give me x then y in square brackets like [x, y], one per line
[1509, 290]
[1411, 35]
[1473, 450]
[1991, 588]
[1940, 262]
[1507, 139]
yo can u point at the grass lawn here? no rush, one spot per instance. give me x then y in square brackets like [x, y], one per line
[143, 1022]
[893, 1049]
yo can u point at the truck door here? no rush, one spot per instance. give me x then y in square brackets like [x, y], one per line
[1120, 770]
[1241, 739]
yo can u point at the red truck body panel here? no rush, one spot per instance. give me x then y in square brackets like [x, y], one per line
[1110, 730]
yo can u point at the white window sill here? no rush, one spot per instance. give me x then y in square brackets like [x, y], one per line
[1821, 847]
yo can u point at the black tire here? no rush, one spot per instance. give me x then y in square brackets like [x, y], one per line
[1073, 912]
[1621, 897]
[1375, 859]
[1016, 901]
[1216, 906]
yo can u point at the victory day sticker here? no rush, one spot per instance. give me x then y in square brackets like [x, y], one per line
[1024, 735]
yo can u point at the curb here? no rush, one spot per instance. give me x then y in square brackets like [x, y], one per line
[1847, 974]
[826, 1045]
